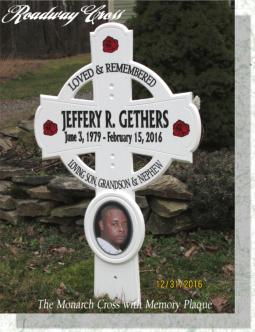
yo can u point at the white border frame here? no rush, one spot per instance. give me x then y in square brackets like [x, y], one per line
[9, 321]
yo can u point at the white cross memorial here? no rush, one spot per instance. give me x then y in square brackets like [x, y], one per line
[166, 127]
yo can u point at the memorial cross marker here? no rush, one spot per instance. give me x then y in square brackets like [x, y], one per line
[166, 127]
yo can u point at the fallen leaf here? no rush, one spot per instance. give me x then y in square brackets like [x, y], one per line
[163, 261]
[1, 296]
[62, 285]
[31, 266]
[81, 238]
[229, 237]
[13, 250]
[61, 290]
[212, 248]
[18, 240]
[182, 249]
[63, 250]
[148, 250]
[192, 251]
[219, 303]
[46, 269]
[228, 269]
[158, 269]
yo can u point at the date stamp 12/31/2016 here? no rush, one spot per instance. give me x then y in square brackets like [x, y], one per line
[179, 283]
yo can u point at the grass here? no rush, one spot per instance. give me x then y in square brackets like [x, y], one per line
[33, 266]
[47, 77]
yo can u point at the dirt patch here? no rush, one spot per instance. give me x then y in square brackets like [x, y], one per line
[12, 68]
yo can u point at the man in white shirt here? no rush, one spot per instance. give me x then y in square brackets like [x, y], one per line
[113, 226]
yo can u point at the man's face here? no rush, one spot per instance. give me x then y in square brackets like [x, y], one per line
[114, 227]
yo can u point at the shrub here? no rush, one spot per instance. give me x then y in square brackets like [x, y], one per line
[211, 179]
[190, 44]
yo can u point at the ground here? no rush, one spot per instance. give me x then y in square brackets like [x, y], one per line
[42, 262]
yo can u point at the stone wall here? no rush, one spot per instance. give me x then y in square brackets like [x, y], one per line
[63, 200]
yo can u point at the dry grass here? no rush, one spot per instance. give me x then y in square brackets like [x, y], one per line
[12, 68]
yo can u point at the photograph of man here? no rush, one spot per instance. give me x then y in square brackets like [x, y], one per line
[113, 228]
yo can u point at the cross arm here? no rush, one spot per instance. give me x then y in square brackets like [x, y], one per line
[171, 127]
[65, 126]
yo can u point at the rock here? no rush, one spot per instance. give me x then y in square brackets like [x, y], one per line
[146, 213]
[19, 192]
[55, 220]
[32, 180]
[33, 208]
[27, 125]
[13, 132]
[7, 172]
[69, 188]
[164, 226]
[74, 210]
[165, 208]
[6, 187]
[7, 202]
[5, 144]
[79, 222]
[41, 192]
[167, 186]
[141, 201]
[10, 216]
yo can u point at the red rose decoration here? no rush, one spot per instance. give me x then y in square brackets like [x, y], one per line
[50, 128]
[180, 128]
[110, 45]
